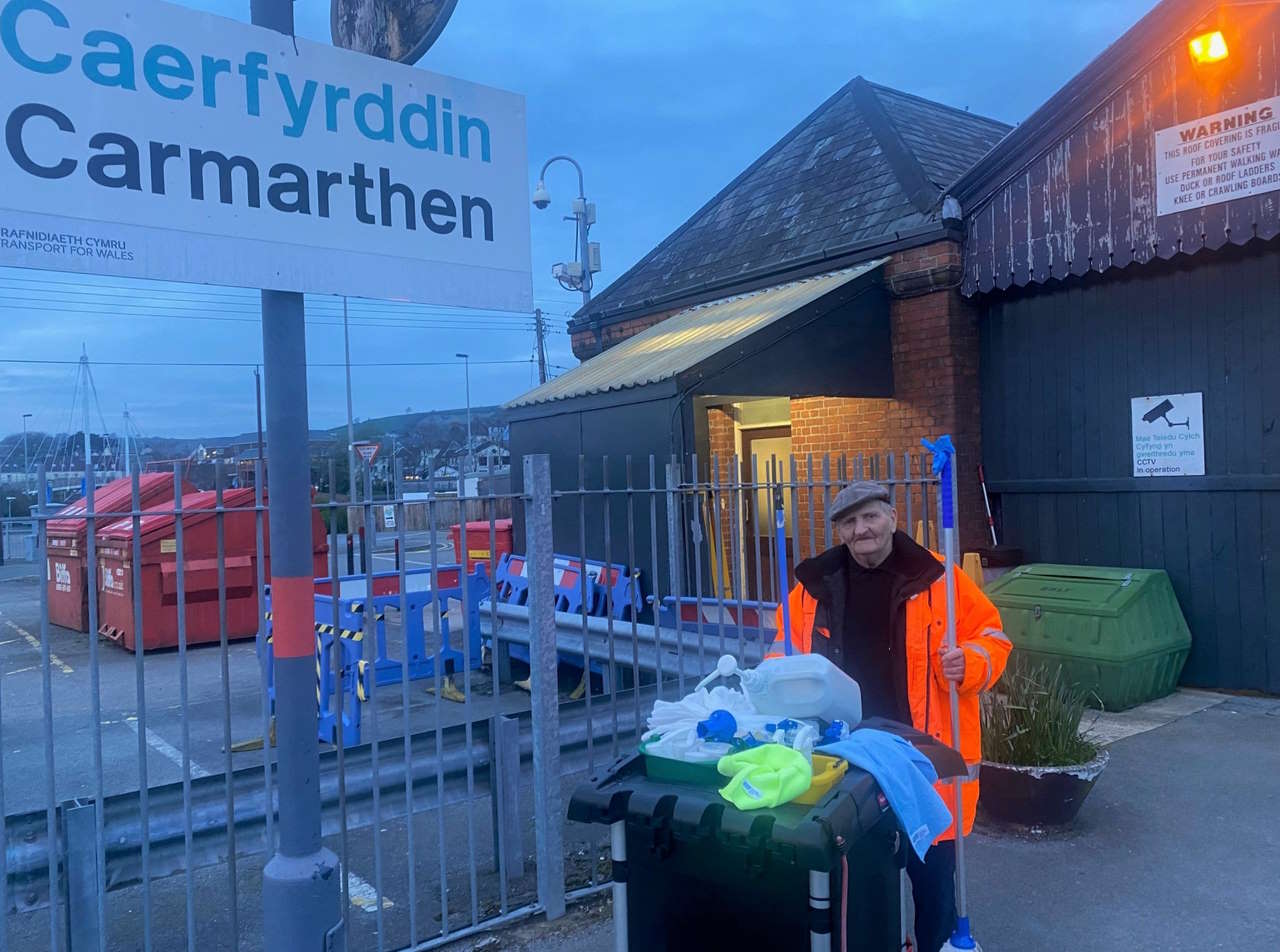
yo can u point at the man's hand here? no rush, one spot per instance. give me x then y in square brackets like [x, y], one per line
[952, 663]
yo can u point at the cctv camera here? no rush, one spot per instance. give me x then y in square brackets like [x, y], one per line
[541, 197]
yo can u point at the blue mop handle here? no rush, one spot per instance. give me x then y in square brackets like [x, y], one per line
[780, 538]
[944, 468]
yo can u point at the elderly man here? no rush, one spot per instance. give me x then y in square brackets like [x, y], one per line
[876, 605]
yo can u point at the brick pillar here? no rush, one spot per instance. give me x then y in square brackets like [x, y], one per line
[721, 450]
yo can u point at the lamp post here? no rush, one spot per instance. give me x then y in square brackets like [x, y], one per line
[584, 213]
[26, 459]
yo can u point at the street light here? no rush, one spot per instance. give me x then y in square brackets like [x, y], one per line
[574, 275]
[26, 460]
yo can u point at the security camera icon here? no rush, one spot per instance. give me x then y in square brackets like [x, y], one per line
[1161, 411]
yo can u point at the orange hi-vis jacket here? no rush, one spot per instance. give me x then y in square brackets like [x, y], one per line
[920, 615]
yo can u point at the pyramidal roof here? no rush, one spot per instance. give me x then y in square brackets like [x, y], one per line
[868, 163]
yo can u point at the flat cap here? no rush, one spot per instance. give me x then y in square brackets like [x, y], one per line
[855, 495]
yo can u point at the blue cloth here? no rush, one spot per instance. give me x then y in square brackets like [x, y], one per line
[905, 776]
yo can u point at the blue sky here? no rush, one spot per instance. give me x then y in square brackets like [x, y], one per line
[663, 103]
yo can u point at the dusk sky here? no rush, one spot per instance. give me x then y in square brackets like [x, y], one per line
[663, 103]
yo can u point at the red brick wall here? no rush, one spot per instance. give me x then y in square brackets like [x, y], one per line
[935, 380]
[721, 449]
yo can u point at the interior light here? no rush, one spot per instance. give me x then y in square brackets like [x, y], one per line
[1208, 47]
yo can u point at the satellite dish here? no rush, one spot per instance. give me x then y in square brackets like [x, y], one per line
[400, 30]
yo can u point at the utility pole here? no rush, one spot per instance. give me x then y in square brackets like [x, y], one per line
[540, 329]
[88, 448]
[257, 389]
[26, 458]
[128, 470]
[351, 433]
[301, 904]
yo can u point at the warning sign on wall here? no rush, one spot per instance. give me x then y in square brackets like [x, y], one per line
[1216, 158]
[1168, 435]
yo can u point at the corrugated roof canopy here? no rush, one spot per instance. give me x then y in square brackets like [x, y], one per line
[690, 337]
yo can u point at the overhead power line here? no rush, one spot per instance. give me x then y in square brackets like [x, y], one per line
[250, 364]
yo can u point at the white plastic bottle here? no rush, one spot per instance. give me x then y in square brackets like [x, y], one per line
[799, 685]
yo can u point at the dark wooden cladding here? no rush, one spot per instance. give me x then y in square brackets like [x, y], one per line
[1060, 366]
[1084, 198]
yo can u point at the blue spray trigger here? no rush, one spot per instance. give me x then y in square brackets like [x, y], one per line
[719, 728]
[836, 731]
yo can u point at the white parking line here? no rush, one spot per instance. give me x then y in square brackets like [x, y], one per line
[34, 642]
[364, 896]
[165, 749]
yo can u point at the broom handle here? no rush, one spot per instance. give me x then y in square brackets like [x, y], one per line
[780, 541]
[947, 507]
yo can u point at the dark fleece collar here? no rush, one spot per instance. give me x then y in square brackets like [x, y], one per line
[824, 574]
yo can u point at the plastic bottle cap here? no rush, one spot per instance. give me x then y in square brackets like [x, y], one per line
[726, 667]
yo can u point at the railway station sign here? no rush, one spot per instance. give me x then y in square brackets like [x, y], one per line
[148, 140]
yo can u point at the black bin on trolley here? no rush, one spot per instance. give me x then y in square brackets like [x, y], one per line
[692, 872]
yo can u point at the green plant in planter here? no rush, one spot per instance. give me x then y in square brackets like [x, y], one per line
[1033, 720]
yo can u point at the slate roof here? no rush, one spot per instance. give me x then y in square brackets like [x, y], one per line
[868, 163]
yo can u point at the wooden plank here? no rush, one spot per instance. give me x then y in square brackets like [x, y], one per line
[1269, 530]
[1213, 302]
[1027, 414]
[1203, 665]
[1068, 526]
[1268, 389]
[1097, 136]
[1258, 317]
[1142, 194]
[1019, 222]
[1170, 230]
[1078, 199]
[1080, 384]
[1233, 331]
[1117, 452]
[1096, 340]
[1059, 188]
[1226, 589]
[1135, 369]
[1038, 218]
[1177, 551]
[1152, 531]
[1106, 519]
[1002, 239]
[1047, 524]
[1118, 210]
[1251, 586]
[1129, 529]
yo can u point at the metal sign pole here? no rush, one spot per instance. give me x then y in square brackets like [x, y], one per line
[300, 886]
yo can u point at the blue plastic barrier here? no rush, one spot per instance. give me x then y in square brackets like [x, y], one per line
[359, 677]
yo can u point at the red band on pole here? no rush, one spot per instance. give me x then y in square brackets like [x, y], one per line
[293, 617]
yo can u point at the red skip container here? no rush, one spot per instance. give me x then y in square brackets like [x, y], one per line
[478, 543]
[68, 535]
[159, 593]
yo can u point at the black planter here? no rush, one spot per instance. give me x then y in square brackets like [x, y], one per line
[1037, 796]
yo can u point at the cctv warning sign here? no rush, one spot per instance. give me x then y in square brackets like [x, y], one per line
[1168, 435]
